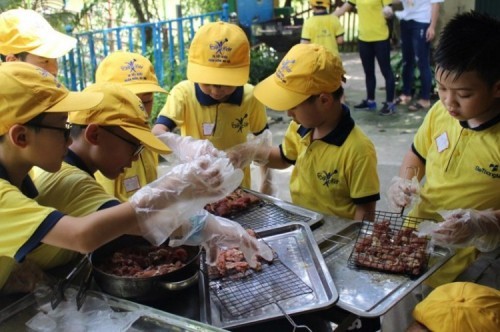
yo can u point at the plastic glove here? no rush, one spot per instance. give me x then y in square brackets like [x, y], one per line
[216, 233]
[403, 193]
[463, 228]
[387, 11]
[187, 148]
[162, 205]
[256, 148]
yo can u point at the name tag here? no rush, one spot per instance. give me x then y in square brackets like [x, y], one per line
[131, 184]
[208, 129]
[442, 142]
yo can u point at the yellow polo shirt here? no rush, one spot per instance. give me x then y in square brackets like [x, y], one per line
[461, 170]
[323, 29]
[224, 124]
[72, 190]
[23, 224]
[142, 172]
[332, 174]
[372, 23]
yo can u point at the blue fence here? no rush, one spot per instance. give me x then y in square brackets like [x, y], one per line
[164, 43]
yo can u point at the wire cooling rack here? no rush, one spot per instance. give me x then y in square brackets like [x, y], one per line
[274, 283]
[387, 242]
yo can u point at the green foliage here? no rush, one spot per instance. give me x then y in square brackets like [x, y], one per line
[263, 62]
[195, 7]
[397, 69]
[174, 73]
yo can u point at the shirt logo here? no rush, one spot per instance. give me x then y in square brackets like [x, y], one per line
[134, 69]
[221, 50]
[284, 68]
[328, 178]
[491, 170]
[240, 123]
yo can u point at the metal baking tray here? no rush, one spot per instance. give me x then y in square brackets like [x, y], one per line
[273, 212]
[369, 293]
[15, 316]
[299, 255]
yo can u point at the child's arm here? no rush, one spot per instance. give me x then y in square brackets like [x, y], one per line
[159, 129]
[346, 7]
[366, 209]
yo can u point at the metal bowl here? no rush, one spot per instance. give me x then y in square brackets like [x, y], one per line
[143, 288]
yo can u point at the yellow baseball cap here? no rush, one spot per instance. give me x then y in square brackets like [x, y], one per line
[120, 107]
[24, 30]
[219, 54]
[28, 91]
[460, 306]
[131, 70]
[306, 70]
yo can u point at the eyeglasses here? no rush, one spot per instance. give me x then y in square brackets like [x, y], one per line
[138, 147]
[66, 130]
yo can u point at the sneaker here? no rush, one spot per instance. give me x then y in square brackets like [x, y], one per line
[370, 104]
[387, 109]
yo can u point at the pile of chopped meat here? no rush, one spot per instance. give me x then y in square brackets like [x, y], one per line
[387, 250]
[231, 262]
[238, 200]
[145, 261]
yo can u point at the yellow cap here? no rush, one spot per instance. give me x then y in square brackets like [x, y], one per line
[320, 3]
[120, 107]
[24, 30]
[306, 70]
[28, 91]
[219, 54]
[131, 70]
[460, 306]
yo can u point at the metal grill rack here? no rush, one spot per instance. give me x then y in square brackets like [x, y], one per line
[274, 283]
[388, 244]
[266, 214]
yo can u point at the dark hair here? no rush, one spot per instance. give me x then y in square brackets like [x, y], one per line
[470, 42]
[337, 94]
[21, 56]
[76, 130]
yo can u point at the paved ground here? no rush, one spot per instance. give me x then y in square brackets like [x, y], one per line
[392, 135]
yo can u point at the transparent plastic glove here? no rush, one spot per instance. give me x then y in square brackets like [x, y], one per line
[256, 148]
[187, 148]
[463, 228]
[403, 193]
[216, 233]
[162, 205]
[387, 11]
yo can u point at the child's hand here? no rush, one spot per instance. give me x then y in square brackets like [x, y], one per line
[462, 228]
[187, 148]
[403, 192]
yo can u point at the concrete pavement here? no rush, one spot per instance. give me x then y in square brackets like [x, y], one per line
[392, 135]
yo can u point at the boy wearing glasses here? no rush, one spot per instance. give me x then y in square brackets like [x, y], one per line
[102, 140]
[33, 114]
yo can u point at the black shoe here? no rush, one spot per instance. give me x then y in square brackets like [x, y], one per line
[387, 109]
[371, 105]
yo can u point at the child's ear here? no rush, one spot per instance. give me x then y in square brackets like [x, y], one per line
[18, 134]
[325, 98]
[496, 89]
[92, 134]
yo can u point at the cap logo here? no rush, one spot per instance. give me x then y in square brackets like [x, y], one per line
[134, 69]
[221, 51]
[285, 67]
[141, 106]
